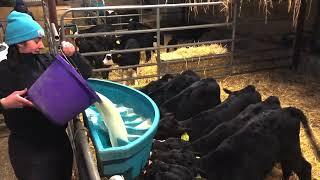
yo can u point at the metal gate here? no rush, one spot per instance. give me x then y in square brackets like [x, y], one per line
[159, 30]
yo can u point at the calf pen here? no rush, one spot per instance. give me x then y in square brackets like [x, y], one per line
[292, 89]
[267, 83]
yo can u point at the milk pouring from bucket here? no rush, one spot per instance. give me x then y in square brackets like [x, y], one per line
[61, 93]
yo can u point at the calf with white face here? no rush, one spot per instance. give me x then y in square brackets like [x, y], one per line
[126, 58]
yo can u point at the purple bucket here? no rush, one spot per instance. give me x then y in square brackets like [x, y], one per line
[61, 93]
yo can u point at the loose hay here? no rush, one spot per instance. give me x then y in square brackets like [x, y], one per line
[194, 58]
[190, 52]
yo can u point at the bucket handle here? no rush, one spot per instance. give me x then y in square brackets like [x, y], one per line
[69, 61]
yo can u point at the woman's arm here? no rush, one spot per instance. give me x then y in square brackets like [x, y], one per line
[15, 100]
[80, 61]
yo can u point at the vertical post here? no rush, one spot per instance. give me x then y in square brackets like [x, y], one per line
[315, 40]
[234, 24]
[158, 41]
[53, 12]
[298, 43]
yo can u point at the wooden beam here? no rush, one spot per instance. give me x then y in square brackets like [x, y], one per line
[298, 43]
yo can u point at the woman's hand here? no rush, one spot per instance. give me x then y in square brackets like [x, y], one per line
[15, 100]
[68, 48]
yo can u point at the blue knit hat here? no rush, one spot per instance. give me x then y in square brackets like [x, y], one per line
[21, 27]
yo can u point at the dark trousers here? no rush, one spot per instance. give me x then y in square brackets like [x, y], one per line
[41, 160]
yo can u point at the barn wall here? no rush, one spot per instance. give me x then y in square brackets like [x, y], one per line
[36, 10]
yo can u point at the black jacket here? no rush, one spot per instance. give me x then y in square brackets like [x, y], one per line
[27, 121]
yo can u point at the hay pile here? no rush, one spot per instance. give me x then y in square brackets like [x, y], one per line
[190, 52]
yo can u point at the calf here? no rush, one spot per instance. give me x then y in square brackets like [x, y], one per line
[185, 36]
[174, 87]
[96, 44]
[169, 127]
[177, 156]
[249, 154]
[159, 170]
[146, 39]
[130, 58]
[210, 141]
[171, 143]
[96, 61]
[154, 85]
[200, 96]
[127, 58]
[206, 121]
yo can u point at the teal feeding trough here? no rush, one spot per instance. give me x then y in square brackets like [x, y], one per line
[127, 160]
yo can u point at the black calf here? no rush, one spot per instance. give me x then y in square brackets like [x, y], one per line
[174, 87]
[209, 142]
[200, 96]
[171, 143]
[159, 170]
[206, 121]
[154, 85]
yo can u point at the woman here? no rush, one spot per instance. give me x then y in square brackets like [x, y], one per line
[38, 149]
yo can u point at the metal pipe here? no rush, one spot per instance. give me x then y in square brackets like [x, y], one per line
[87, 169]
[111, 16]
[55, 32]
[52, 12]
[131, 7]
[134, 78]
[155, 48]
[234, 23]
[123, 67]
[144, 6]
[149, 30]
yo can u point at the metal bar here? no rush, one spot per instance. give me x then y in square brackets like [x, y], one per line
[158, 41]
[111, 33]
[53, 12]
[123, 67]
[145, 6]
[111, 16]
[149, 30]
[48, 28]
[234, 23]
[134, 78]
[195, 26]
[86, 166]
[155, 48]
[117, 51]
[88, 26]
[131, 7]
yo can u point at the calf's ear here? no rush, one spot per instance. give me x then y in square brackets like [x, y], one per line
[227, 91]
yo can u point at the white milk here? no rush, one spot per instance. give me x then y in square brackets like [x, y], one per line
[113, 121]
